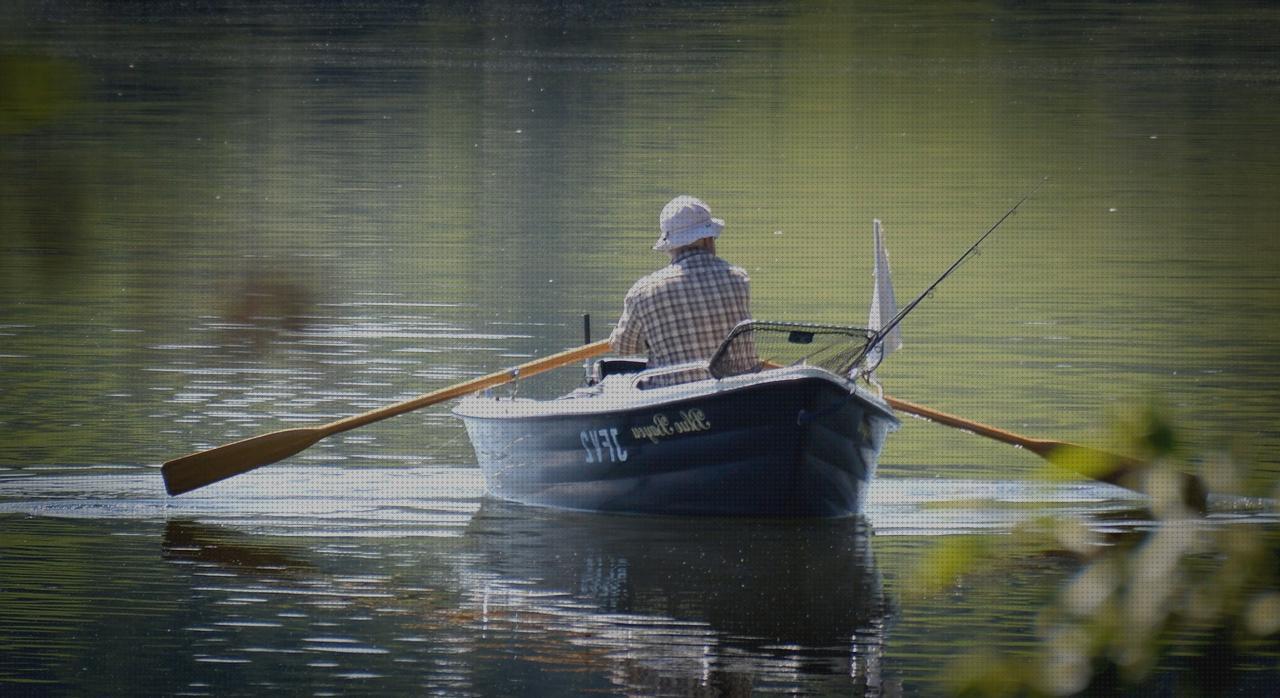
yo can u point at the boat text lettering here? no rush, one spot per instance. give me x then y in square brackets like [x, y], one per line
[690, 421]
[602, 444]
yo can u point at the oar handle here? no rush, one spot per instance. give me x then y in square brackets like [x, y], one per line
[206, 467]
[1037, 446]
[525, 370]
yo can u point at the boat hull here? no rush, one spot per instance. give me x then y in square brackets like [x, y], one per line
[800, 446]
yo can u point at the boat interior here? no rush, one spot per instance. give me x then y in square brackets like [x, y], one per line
[836, 348]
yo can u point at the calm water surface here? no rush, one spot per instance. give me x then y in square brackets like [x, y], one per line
[219, 220]
[324, 580]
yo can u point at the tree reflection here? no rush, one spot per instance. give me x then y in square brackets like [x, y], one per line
[42, 194]
[262, 304]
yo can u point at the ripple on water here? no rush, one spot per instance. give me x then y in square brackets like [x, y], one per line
[379, 502]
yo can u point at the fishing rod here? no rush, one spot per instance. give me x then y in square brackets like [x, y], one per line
[883, 332]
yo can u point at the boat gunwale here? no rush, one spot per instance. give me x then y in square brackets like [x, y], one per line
[630, 398]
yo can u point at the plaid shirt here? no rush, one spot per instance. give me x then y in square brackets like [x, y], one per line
[683, 312]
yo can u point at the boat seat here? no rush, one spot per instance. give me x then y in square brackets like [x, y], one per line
[609, 367]
[615, 366]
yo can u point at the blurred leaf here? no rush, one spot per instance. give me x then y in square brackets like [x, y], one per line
[1074, 536]
[1067, 666]
[1220, 473]
[1263, 615]
[986, 674]
[945, 562]
[1086, 461]
[1150, 432]
[1092, 588]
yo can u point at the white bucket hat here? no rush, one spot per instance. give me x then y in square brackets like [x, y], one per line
[684, 221]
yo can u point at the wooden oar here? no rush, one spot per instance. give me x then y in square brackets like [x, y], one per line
[207, 467]
[1104, 466]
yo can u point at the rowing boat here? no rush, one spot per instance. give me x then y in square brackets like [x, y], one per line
[797, 438]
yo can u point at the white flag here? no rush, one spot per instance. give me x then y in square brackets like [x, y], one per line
[883, 304]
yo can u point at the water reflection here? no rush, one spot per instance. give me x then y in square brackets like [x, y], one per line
[262, 305]
[689, 603]
[645, 605]
[194, 542]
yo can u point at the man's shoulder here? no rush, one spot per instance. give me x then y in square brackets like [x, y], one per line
[673, 273]
[738, 271]
[723, 265]
[652, 280]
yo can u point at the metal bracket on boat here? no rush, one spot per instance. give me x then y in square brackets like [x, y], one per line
[515, 382]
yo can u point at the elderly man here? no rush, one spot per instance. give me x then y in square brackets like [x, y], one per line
[683, 311]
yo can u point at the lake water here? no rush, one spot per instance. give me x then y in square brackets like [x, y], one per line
[218, 220]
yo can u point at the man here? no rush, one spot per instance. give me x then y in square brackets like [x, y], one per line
[683, 311]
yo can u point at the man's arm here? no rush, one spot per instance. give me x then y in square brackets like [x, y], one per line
[628, 335]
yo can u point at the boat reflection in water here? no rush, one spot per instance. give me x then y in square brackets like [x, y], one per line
[688, 605]
[527, 600]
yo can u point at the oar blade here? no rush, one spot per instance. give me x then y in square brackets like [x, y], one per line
[1111, 468]
[207, 467]
[1104, 466]
[1130, 473]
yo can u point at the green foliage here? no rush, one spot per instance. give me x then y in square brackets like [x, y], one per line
[1187, 590]
[946, 561]
[1148, 432]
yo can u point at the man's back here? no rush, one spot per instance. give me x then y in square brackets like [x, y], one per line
[683, 311]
